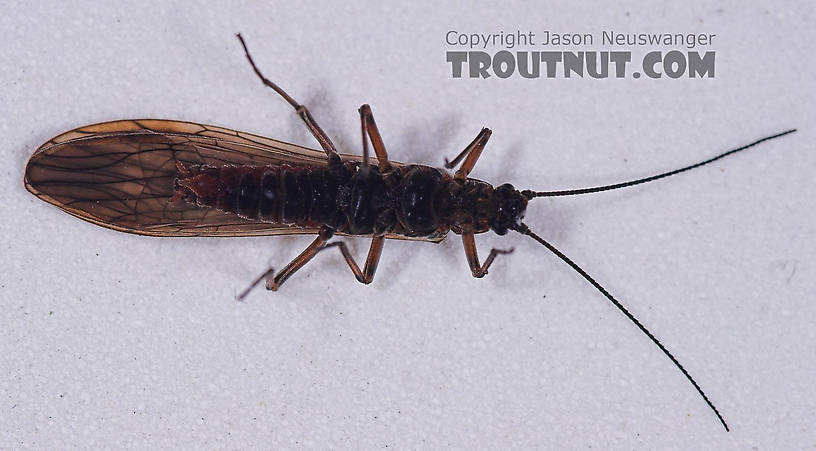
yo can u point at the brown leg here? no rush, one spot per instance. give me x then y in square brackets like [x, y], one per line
[369, 127]
[301, 110]
[477, 270]
[273, 283]
[472, 152]
[367, 274]
[267, 273]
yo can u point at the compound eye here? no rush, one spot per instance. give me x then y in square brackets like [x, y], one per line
[504, 190]
[500, 230]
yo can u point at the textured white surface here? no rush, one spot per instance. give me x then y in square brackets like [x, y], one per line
[112, 340]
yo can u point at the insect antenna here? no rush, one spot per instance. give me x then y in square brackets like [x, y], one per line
[533, 194]
[523, 229]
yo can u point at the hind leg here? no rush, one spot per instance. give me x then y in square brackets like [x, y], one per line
[301, 110]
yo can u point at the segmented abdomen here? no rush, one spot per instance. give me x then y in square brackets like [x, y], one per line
[278, 194]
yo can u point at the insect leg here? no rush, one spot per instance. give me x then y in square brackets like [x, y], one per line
[367, 274]
[273, 283]
[476, 269]
[370, 127]
[301, 110]
[472, 152]
[267, 273]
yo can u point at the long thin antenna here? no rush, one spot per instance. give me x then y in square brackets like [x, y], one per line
[523, 229]
[533, 194]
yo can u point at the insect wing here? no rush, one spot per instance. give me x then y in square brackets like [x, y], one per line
[121, 175]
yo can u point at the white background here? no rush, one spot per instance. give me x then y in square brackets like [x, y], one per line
[115, 340]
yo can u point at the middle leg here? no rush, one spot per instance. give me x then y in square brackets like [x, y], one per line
[369, 127]
[365, 276]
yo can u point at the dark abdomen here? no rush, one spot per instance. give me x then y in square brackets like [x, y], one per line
[275, 194]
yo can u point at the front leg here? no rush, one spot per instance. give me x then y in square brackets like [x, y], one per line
[472, 152]
[476, 269]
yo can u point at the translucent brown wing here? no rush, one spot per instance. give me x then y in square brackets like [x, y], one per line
[121, 175]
